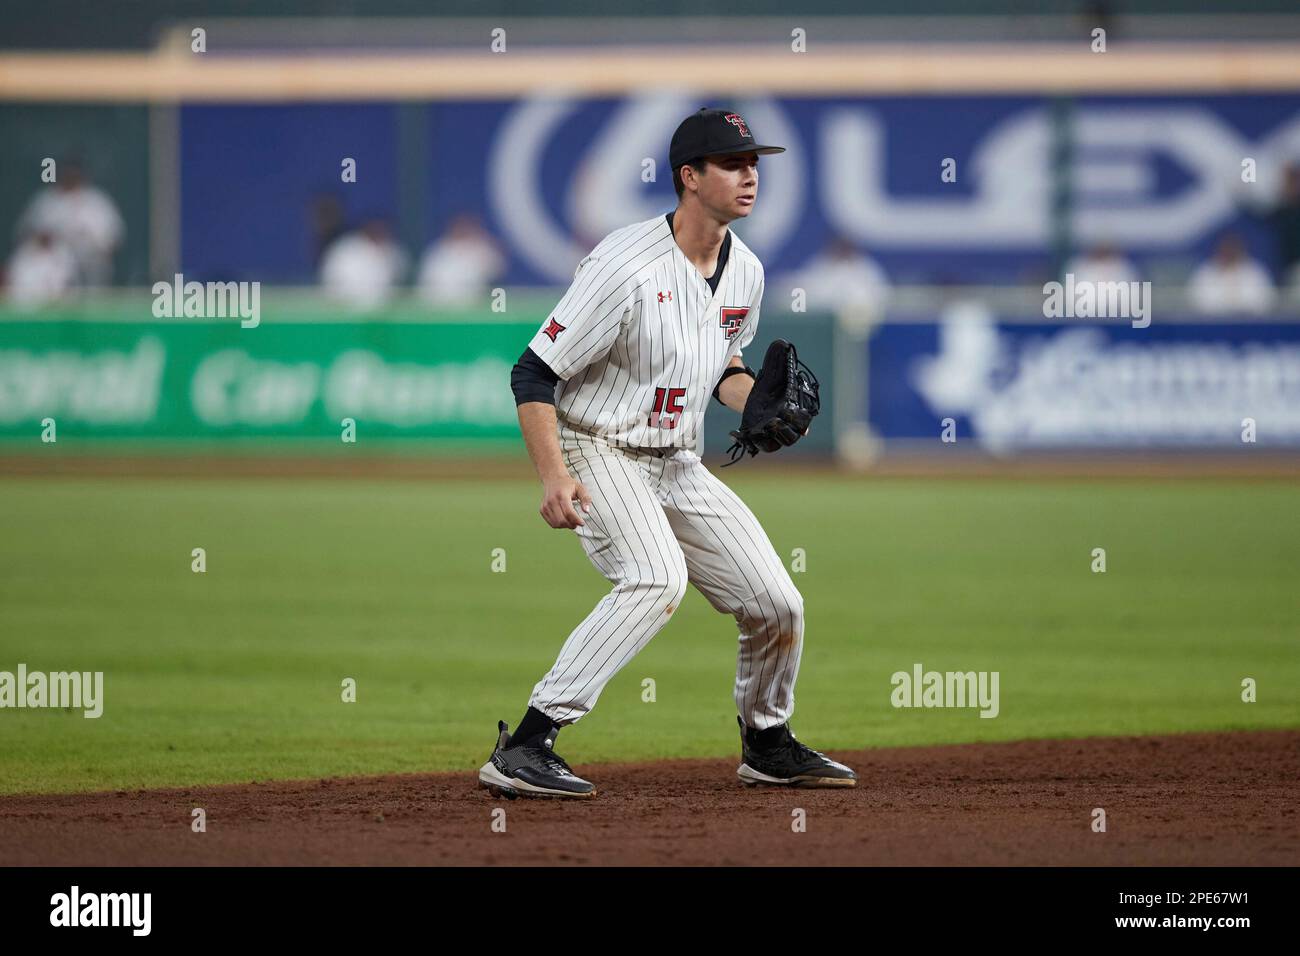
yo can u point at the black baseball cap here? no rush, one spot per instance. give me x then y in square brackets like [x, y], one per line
[707, 132]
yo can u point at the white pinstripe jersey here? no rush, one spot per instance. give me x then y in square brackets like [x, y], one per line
[640, 339]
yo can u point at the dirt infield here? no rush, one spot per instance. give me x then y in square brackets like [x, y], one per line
[1191, 799]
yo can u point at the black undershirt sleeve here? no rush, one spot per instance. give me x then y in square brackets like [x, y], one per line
[532, 380]
[727, 373]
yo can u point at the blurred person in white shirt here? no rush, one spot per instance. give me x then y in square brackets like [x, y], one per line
[1102, 263]
[1231, 281]
[327, 221]
[362, 269]
[840, 276]
[41, 270]
[459, 268]
[82, 218]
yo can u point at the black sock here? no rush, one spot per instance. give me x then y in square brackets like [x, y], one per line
[533, 723]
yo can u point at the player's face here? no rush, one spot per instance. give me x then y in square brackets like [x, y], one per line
[729, 186]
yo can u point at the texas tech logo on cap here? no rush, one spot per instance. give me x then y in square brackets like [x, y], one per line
[735, 120]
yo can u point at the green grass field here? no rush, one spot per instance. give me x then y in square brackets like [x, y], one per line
[235, 674]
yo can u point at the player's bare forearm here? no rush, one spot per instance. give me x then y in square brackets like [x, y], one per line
[560, 489]
[735, 390]
[538, 424]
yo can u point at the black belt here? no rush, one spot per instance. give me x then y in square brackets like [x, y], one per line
[657, 452]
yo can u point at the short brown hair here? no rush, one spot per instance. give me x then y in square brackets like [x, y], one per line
[695, 164]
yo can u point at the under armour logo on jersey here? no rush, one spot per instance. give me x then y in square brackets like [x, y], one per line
[665, 296]
[731, 320]
[553, 329]
[735, 120]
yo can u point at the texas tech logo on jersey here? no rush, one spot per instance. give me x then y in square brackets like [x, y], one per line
[731, 320]
[553, 329]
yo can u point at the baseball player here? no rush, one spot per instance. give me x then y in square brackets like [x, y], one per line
[611, 393]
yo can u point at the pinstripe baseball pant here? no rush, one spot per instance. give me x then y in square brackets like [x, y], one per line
[655, 524]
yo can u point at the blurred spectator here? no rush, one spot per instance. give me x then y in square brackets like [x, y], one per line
[42, 270]
[327, 224]
[1102, 263]
[459, 268]
[79, 216]
[1284, 221]
[1280, 215]
[362, 268]
[840, 276]
[1231, 281]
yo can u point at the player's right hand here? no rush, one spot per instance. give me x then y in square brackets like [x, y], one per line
[558, 498]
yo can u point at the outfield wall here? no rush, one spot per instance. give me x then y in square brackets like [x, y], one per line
[402, 376]
[966, 377]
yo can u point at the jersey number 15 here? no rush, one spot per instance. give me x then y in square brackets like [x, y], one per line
[668, 407]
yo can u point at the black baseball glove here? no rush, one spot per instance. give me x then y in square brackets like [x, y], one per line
[781, 405]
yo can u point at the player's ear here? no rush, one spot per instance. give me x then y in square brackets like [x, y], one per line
[697, 169]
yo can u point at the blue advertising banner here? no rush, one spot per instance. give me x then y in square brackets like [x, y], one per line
[936, 189]
[256, 181]
[1055, 385]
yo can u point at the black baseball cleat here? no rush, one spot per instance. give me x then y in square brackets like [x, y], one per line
[774, 756]
[531, 768]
